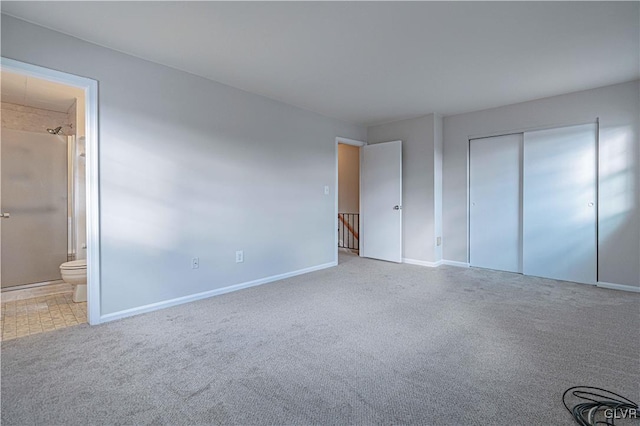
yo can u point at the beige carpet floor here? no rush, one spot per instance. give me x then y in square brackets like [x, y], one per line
[366, 342]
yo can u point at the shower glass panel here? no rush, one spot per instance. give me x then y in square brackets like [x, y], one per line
[34, 194]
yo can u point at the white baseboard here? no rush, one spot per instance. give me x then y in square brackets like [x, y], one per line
[421, 262]
[623, 287]
[206, 294]
[455, 263]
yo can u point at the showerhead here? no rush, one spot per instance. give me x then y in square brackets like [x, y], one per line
[56, 131]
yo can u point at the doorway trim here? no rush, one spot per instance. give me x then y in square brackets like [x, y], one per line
[90, 88]
[359, 144]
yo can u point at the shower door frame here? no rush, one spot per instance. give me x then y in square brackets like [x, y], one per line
[90, 88]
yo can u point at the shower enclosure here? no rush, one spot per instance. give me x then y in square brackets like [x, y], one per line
[35, 203]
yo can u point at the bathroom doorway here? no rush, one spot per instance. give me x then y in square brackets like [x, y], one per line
[46, 199]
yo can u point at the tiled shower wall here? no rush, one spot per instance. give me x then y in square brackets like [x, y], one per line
[30, 119]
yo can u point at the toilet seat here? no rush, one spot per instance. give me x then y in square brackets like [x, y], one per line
[74, 264]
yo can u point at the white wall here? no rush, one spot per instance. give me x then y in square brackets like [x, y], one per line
[419, 179]
[348, 179]
[191, 167]
[618, 107]
[438, 157]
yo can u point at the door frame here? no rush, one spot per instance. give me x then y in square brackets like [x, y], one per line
[359, 144]
[90, 88]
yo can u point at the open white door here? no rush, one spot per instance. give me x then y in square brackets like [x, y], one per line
[381, 201]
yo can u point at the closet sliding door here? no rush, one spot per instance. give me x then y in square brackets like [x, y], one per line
[559, 203]
[495, 176]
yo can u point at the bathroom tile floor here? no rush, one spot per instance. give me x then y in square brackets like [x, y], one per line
[40, 314]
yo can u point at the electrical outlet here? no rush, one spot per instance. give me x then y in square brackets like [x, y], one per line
[439, 241]
[195, 263]
[239, 256]
[326, 190]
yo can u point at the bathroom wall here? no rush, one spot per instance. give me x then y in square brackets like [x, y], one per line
[72, 115]
[77, 170]
[19, 117]
[80, 200]
[192, 168]
[80, 116]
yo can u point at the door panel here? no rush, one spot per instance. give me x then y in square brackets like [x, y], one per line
[381, 201]
[34, 193]
[495, 203]
[560, 203]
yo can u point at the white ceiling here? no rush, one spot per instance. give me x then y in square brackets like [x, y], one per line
[370, 62]
[22, 90]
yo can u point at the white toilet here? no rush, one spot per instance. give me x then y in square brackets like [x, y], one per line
[75, 273]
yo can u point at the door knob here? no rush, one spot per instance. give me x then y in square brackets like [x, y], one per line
[397, 207]
[5, 215]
